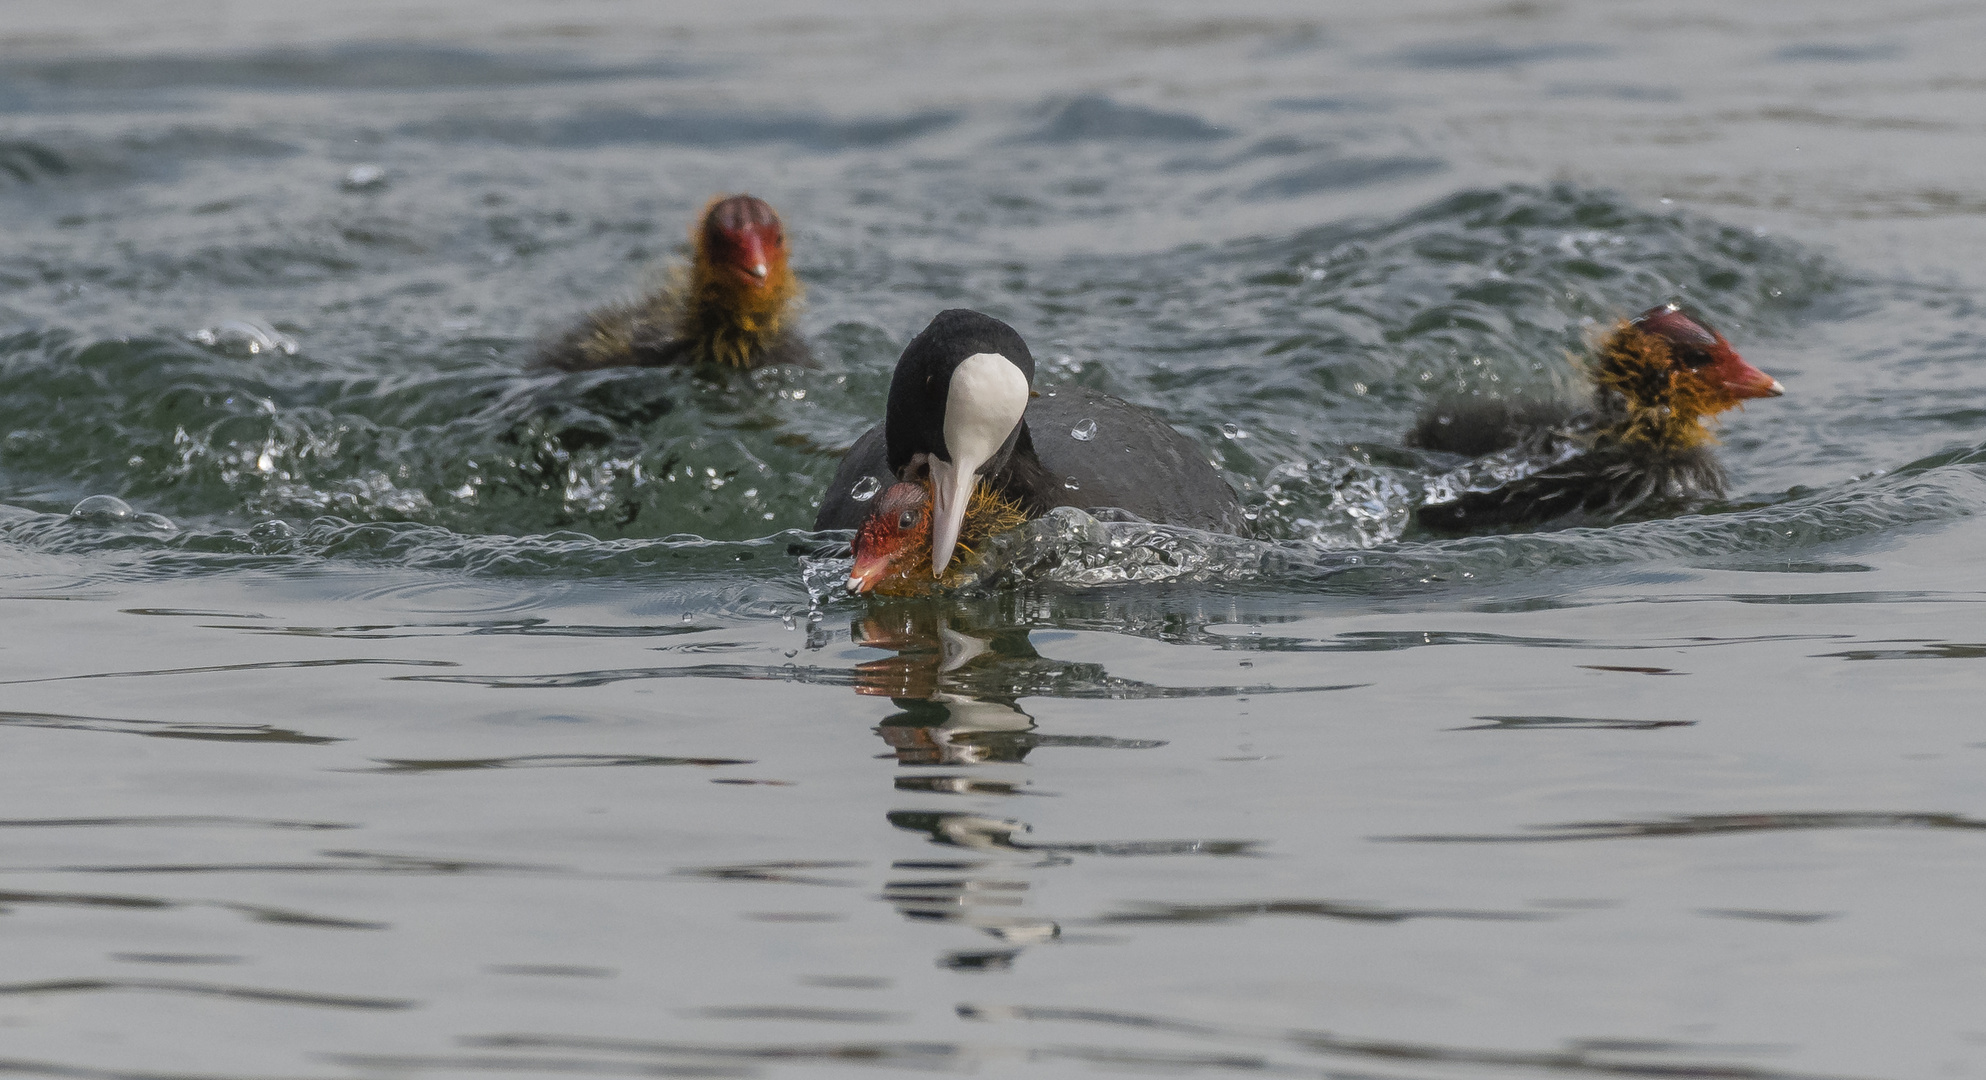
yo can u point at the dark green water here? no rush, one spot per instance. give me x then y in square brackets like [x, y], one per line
[373, 708]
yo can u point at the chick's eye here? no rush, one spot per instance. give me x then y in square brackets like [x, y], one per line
[906, 520]
[1694, 358]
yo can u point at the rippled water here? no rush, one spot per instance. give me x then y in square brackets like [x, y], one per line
[376, 708]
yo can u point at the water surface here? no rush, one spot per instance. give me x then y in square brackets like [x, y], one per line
[377, 708]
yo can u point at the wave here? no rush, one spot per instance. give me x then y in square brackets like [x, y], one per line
[1067, 549]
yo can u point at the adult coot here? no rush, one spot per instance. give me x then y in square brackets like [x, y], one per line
[964, 424]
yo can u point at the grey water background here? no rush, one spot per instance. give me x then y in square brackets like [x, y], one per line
[399, 713]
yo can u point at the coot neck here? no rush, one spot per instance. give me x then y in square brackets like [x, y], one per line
[1023, 479]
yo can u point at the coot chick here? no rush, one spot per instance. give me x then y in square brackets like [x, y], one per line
[893, 546]
[1641, 440]
[963, 417]
[731, 308]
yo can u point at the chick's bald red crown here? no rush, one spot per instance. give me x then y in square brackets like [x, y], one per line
[743, 234]
[1698, 348]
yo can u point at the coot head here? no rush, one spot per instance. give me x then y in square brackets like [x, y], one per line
[1702, 352]
[896, 530]
[893, 546]
[955, 409]
[1672, 371]
[741, 238]
[740, 285]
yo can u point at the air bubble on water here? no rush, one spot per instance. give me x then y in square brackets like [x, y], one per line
[1071, 485]
[363, 178]
[865, 489]
[111, 510]
[1084, 431]
[791, 653]
[1231, 431]
[688, 618]
[102, 509]
[273, 529]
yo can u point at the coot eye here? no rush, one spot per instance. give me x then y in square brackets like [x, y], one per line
[906, 520]
[1693, 358]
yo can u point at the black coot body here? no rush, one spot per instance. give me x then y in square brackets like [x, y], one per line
[1567, 466]
[1132, 461]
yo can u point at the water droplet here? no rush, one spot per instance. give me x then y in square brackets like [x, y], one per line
[1071, 485]
[1084, 431]
[364, 178]
[1230, 431]
[865, 489]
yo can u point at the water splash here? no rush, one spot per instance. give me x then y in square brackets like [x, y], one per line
[244, 337]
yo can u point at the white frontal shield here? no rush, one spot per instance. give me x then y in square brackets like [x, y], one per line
[988, 395]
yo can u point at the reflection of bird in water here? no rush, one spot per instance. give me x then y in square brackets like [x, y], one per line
[731, 308]
[946, 729]
[936, 727]
[958, 698]
[1642, 439]
[962, 416]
